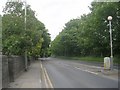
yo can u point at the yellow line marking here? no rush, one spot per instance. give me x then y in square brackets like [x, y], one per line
[43, 76]
[46, 78]
[49, 81]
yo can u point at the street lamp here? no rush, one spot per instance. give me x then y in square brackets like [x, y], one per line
[111, 46]
[26, 62]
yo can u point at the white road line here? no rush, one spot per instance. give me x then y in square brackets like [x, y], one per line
[91, 72]
[90, 66]
[79, 68]
[95, 67]
[40, 72]
[40, 80]
[87, 71]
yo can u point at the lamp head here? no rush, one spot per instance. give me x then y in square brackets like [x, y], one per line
[109, 18]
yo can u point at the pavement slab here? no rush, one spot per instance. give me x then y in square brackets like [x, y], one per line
[30, 78]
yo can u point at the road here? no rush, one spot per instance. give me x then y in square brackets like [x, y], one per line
[65, 74]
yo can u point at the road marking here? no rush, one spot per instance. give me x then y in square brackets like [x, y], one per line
[95, 67]
[45, 79]
[90, 66]
[87, 71]
[49, 81]
[40, 72]
[79, 68]
[43, 74]
[40, 80]
[91, 72]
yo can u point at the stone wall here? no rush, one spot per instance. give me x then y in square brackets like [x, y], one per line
[0, 71]
[5, 72]
[12, 67]
[16, 66]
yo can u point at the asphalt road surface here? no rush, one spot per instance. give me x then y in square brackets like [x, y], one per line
[64, 74]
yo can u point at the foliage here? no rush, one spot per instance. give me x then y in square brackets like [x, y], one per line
[89, 34]
[17, 39]
[45, 52]
[0, 33]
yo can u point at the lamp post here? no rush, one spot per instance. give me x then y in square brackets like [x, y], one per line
[26, 59]
[26, 62]
[111, 46]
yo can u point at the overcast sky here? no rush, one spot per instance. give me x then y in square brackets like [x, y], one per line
[55, 13]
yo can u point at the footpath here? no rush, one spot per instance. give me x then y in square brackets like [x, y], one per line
[30, 78]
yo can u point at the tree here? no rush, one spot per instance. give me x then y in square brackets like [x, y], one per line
[45, 43]
[17, 39]
[89, 34]
[0, 33]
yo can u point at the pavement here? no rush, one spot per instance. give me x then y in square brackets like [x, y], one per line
[30, 78]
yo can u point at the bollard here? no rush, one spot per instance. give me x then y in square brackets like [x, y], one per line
[106, 63]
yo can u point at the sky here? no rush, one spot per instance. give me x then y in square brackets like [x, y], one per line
[55, 13]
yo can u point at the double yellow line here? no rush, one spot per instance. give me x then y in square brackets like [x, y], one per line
[45, 78]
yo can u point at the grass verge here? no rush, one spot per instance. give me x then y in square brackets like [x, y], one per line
[89, 59]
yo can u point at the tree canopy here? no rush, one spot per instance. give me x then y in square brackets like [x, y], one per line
[89, 34]
[16, 39]
[0, 33]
